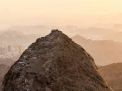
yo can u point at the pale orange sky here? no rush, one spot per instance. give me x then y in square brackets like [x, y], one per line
[60, 12]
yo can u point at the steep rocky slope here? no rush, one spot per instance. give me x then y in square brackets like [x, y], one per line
[54, 63]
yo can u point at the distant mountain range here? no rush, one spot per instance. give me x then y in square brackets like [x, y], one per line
[13, 43]
[95, 33]
[15, 37]
[113, 75]
[116, 37]
[103, 51]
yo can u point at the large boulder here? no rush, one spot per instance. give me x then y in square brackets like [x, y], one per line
[54, 63]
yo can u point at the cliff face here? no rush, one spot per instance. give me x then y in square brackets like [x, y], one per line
[54, 63]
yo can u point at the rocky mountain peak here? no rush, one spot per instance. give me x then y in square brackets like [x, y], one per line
[54, 63]
[55, 35]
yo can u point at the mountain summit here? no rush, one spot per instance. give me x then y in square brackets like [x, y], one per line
[54, 63]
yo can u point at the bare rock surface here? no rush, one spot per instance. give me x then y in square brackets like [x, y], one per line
[54, 63]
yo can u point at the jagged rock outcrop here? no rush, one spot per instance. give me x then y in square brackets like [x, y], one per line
[54, 63]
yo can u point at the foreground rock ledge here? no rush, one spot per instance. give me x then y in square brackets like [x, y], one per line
[54, 63]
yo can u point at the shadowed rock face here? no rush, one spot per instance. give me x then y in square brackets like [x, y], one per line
[54, 63]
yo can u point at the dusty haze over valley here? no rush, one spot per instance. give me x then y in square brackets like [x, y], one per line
[25, 35]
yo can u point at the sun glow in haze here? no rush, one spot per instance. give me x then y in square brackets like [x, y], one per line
[58, 12]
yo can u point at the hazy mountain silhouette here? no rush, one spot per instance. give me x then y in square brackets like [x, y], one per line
[3, 70]
[16, 38]
[13, 43]
[113, 75]
[103, 51]
[71, 30]
[116, 37]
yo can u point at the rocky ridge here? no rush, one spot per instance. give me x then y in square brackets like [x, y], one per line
[54, 63]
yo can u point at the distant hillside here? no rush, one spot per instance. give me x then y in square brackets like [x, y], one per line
[3, 70]
[13, 43]
[113, 75]
[115, 37]
[103, 51]
[16, 38]
[71, 30]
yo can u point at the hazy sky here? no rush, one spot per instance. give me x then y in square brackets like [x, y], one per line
[60, 12]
